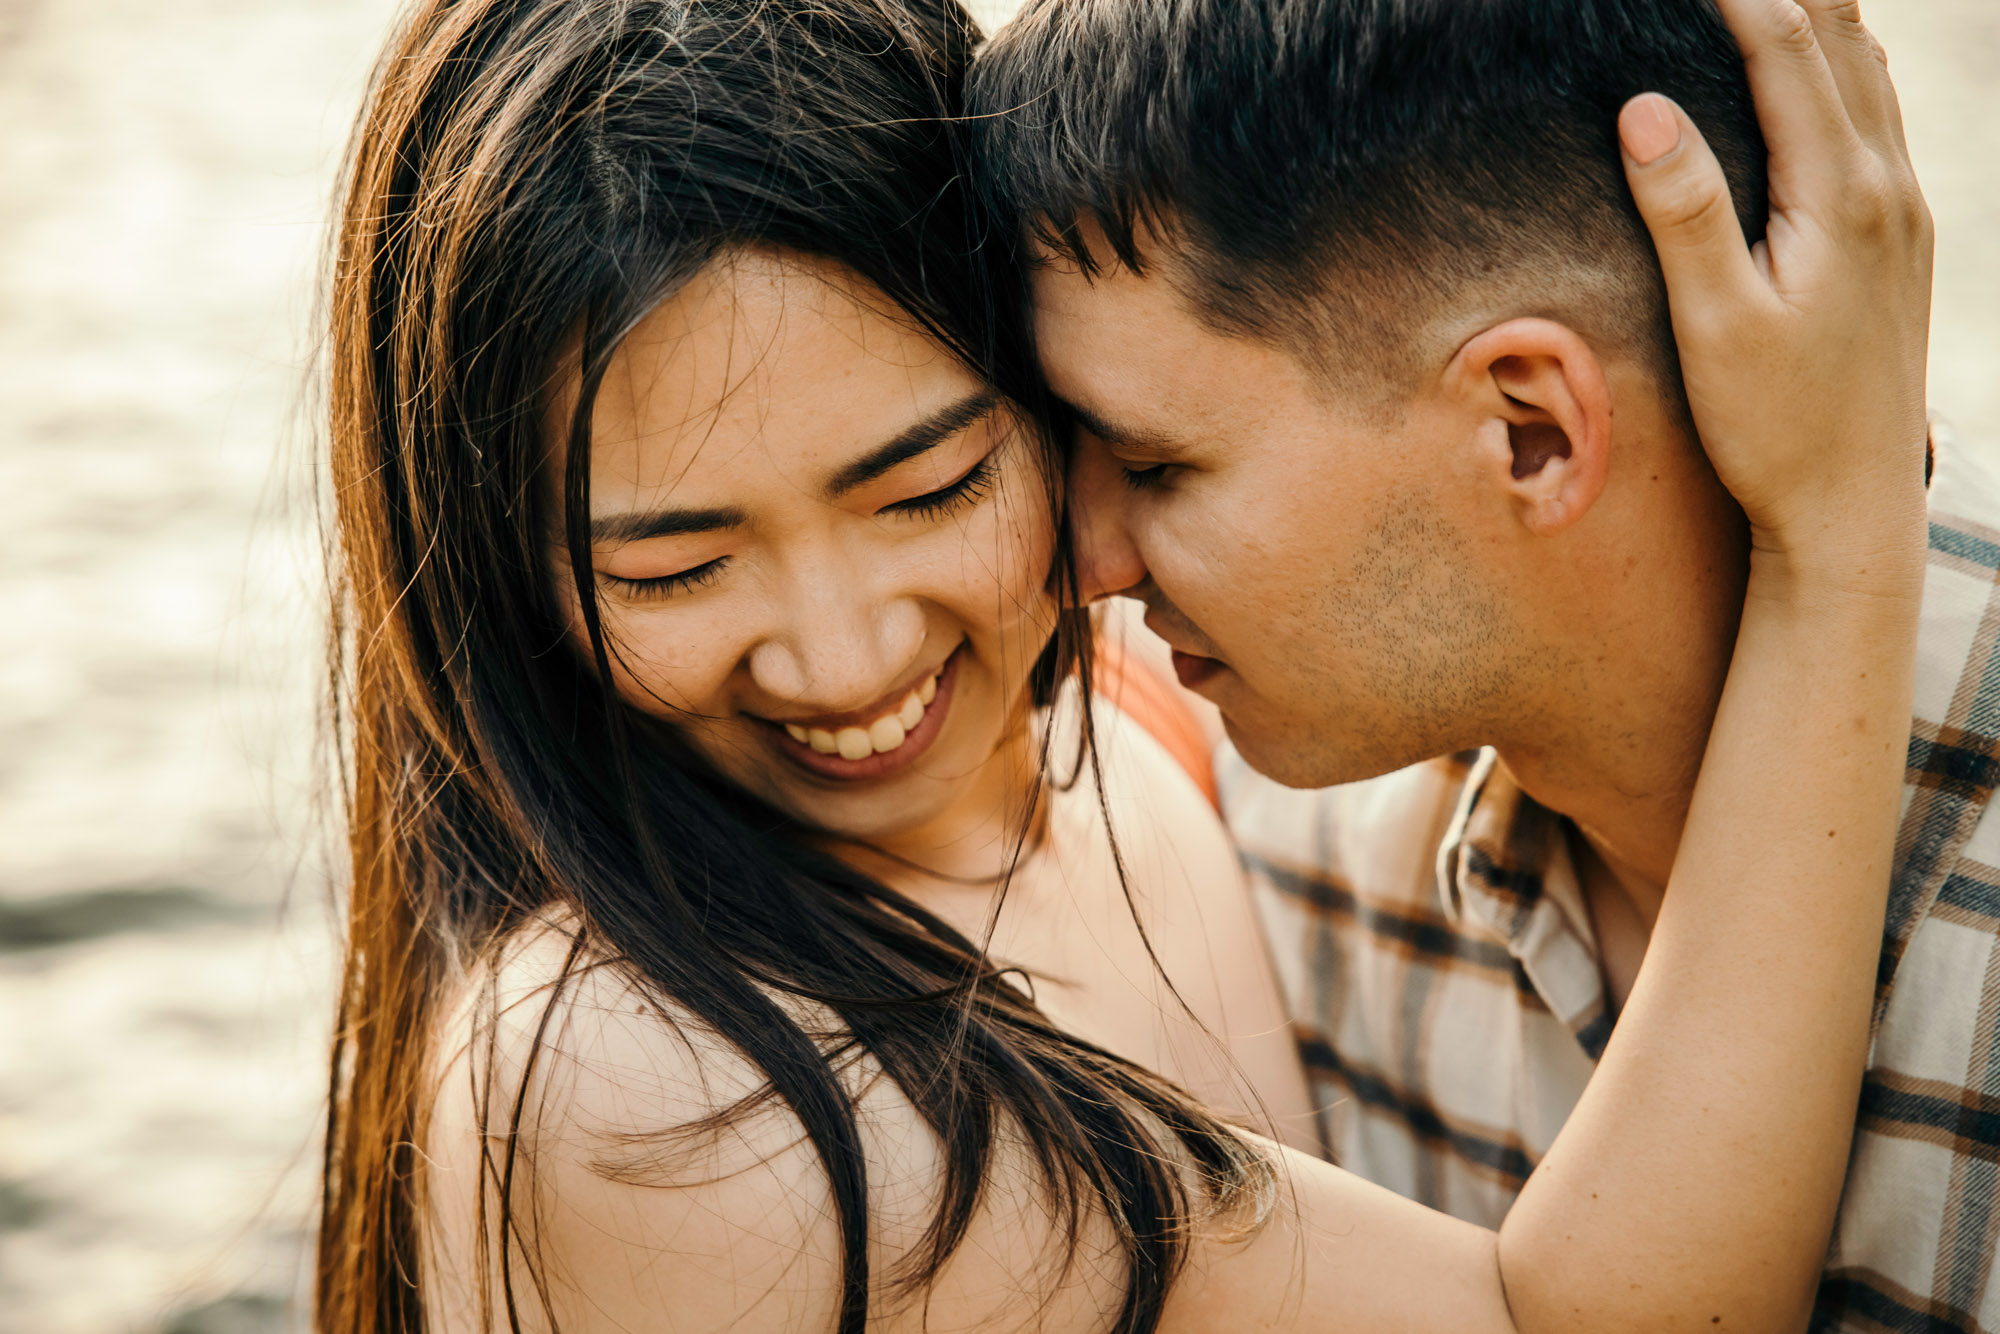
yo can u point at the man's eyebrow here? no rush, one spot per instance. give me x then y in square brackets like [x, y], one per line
[643, 524]
[1113, 434]
[926, 435]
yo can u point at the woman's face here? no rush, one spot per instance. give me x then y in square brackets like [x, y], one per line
[821, 545]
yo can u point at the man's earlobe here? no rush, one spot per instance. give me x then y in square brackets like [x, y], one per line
[1545, 407]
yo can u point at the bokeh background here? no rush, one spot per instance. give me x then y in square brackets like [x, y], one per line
[165, 945]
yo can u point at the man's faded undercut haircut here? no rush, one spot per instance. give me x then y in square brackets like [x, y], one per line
[1349, 177]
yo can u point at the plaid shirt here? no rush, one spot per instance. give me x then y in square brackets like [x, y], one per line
[1434, 947]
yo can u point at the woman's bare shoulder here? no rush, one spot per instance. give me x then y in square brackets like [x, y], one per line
[645, 1170]
[654, 1173]
[544, 1005]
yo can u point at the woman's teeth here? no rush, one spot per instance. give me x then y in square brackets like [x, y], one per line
[885, 734]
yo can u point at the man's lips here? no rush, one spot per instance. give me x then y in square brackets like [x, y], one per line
[1192, 668]
[1195, 671]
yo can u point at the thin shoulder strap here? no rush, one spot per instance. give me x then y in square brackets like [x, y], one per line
[1156, 705]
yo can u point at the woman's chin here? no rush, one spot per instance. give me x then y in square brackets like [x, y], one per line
[878, 818]
[882, 810]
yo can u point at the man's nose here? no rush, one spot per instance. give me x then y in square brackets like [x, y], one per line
[1107, 559]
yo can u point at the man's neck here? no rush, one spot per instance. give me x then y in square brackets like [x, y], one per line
[1627, 827]
[1630, 820]
[1618, 752]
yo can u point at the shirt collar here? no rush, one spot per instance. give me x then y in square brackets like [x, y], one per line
[1505, 866]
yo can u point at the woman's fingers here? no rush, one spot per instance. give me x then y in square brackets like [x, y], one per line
[1684, 198]
[1855, 59]
[1893, 110]
[1807, 125]
[1818, 335]
[1881, 190]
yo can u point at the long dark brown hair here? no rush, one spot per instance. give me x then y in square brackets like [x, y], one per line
[529, 178]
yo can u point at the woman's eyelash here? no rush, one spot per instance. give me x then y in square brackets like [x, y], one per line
[667, 585]
[932, 505]
[950, 499]
[1145, 479]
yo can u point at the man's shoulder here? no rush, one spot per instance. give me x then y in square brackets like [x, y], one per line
[1950, 839]
[1926, 1106]
[1965, 479]
[1964, 506]
[1957, 703]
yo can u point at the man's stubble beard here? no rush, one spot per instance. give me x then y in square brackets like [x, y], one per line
[1412, 653]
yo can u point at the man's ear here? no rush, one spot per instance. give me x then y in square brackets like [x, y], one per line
[1543, 411]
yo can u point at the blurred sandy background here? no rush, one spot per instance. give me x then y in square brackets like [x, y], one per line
[163, 172]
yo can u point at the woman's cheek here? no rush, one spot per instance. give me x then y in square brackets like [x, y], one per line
[1024, 539]
[664, 660]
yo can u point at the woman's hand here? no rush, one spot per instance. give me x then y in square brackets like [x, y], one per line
[1804, 356]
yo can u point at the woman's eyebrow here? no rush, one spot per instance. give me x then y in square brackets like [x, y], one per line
[924, 436]
[640, 525]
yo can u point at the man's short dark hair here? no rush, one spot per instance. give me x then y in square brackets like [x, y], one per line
[1343, 174]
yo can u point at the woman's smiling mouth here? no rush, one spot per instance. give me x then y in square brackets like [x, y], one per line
[856, 749]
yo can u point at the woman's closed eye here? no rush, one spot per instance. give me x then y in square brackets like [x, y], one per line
[947, 500]
[1144, 479]
[668, 585]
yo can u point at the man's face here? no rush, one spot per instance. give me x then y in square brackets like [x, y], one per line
[1319, 560]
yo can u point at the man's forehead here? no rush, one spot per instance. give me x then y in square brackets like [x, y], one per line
[1112, 313]
[1125, 341]
[1063, 286]
[1104, 356]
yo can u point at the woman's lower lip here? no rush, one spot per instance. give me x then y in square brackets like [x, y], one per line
[1195, 671]
[885, 763]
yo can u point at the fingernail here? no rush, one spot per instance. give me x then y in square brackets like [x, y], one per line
[1648, 128]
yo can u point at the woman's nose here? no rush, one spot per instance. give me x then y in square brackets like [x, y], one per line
[839, 642]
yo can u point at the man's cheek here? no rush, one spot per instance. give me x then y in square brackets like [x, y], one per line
[1217, 562]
